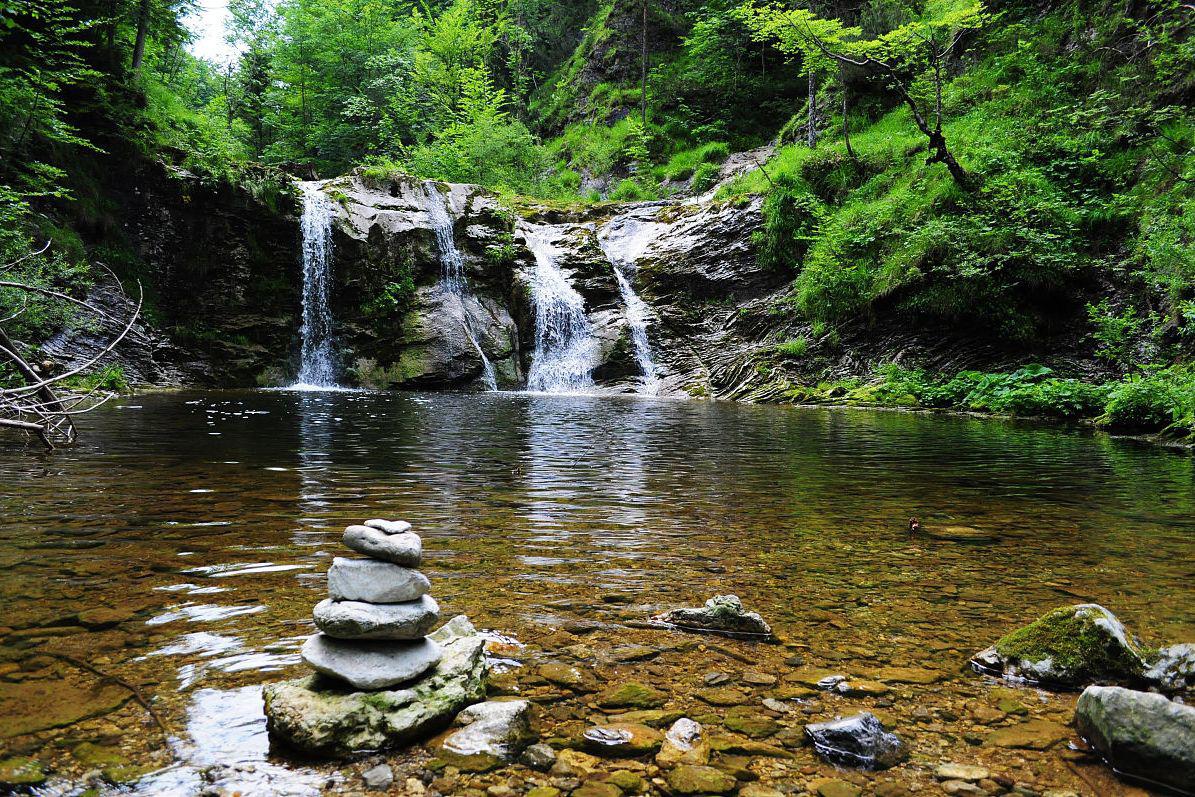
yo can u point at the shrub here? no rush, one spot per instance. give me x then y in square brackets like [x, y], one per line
[1114, 331]
[1144, 403]
[704, 177]
[795, 348]
[792, 219]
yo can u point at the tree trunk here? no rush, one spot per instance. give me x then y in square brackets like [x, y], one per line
[811, 125]
[940, 154]
[643, 71]
[142, 33]
[846, 125]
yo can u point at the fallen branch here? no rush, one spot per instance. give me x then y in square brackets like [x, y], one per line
[116, 679]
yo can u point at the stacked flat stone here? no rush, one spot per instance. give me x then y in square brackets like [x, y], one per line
[373, 625]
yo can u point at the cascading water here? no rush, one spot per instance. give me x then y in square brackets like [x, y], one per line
[565, 349]
[316, 367]
[617, 240]
[452, 273]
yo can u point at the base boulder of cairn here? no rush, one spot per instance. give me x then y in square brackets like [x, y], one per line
[381, 679]
[320, 716]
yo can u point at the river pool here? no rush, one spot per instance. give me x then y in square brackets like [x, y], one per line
[181, 545]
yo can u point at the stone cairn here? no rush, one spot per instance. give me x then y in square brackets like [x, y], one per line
[374, 623]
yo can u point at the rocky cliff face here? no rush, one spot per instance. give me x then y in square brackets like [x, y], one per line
[399, 324]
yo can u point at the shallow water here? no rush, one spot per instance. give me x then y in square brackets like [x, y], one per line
[207, 520]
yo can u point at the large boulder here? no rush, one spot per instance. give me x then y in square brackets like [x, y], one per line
[1068, 648]
[859, 741]
[487, 735]
[1141, 734]
[722, 614]
[315, 715]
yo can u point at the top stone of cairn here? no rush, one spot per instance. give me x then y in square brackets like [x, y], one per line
[373, 539]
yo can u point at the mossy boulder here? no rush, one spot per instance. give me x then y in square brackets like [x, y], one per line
[316, 716]
[21, 771]
[1068, 648]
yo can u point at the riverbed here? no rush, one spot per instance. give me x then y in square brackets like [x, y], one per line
[180, 546]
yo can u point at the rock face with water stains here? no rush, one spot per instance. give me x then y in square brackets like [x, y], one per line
[1069, 648]
[859, 741]
[319, 717]
[723, 614]
[1141, 734]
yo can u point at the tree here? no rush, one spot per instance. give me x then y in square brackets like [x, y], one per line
[914, 52]
[33, 401]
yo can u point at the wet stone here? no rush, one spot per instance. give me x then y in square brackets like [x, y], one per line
[859, 741]
[539, 757]
[487, 735]
[1140, 733]
[404, 549]
[684, 743]
[830, 787]
[631, 694]
[372, 581]
[379, 777]
[693, 779]
[568, 676]
[966, 772]
[370, 664]
[617, 740]
[722, 614]
[1032, 735]
[388, 621]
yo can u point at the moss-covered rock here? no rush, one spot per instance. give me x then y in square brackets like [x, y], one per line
[1069, 647]
[320, 718]
[21, 771]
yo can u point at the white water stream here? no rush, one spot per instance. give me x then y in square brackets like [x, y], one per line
[622, 240]
[565, 348]
[452, 273]
[317, 369]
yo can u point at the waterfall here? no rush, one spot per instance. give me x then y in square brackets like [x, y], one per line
[452, 273]
[316, 368]
[621, 254]
[565, 349]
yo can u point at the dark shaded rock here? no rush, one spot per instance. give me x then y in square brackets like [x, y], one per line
[1141, 734]
[1070, 647]
[859, 741]
[723, 614]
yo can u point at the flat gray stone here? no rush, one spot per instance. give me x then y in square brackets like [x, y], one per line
[359, 620]
[317, 716]
[404, 549]
[374, 582]
[389, 526]
[369, 664]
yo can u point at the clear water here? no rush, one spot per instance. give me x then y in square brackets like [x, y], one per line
[209, 521]
[452, 274]
[317, 369]
[565, 350]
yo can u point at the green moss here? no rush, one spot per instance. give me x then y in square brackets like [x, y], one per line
[1078, 648]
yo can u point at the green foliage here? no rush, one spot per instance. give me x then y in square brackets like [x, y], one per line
[1158, 400]
[1114, 331]
[394, 298]
[683, 164]
[792, 219]
[795, 348]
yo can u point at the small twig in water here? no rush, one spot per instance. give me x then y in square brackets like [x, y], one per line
[119, 682]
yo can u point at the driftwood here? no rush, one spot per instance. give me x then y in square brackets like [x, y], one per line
[40, 406]
[122, 683]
